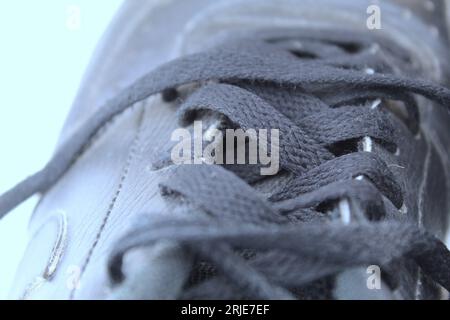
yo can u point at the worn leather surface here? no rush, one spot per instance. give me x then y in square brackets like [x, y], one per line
[113, 181]
[110, 182]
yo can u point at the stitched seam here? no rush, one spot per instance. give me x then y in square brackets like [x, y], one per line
[97, 136]
[126, 169]
[422, 187]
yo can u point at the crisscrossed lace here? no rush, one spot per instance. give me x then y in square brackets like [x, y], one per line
[312, 86]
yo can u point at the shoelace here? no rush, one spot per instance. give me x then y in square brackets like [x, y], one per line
[311, 85]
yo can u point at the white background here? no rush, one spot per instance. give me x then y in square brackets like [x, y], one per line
[44, 50]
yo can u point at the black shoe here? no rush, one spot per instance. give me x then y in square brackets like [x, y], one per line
[358, 209]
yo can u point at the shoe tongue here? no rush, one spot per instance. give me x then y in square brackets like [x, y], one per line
[402, 23]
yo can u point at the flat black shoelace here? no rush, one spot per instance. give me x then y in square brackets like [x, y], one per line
[313, 86]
